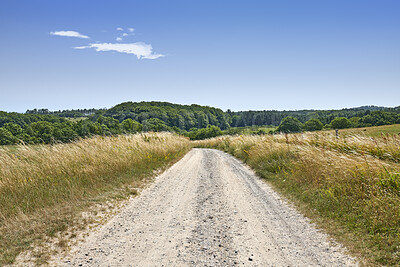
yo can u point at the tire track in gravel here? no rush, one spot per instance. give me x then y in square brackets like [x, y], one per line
[208, 210]
[211, 241]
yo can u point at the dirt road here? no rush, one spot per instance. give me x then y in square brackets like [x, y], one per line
[208, 210]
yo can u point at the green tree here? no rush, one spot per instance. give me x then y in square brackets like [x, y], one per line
[95, 128]
[82, 127]
[204, 133]
[131, 126]
[355, 122]
[155, 125]
[105, 130]
[112, 124]
[42, 131]
[6, 138]
[24, 137]
[290, 125]
[313, 125]
[340, 123]
[13, 128]
[202, 119]
[64, 132]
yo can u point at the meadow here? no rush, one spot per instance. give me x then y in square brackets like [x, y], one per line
[43, 188]
[349, 186]
[375, 131]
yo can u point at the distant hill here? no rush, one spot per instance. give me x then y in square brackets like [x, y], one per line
[188, 116]
[369, 108]
[181, 116]
[197, 122]
[274, 117]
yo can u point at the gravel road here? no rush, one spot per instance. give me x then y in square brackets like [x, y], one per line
[208, 210]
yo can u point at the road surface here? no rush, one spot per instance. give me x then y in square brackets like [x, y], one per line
[208, 210]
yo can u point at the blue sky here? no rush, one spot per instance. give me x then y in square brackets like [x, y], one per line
[242, 55]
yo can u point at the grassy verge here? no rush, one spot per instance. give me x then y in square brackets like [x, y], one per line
[350, 186]
[43, 188]
[375, 131]
[385, 147]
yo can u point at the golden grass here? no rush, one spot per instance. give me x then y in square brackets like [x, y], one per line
[42, 188]
[350, 185]
[375, 131]
[386, 147]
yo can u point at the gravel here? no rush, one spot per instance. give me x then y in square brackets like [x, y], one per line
[208, 209]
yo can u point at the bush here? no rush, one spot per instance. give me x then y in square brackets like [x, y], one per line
[13, 128]
[42, 131]
[290, 125]
[155, 125]
[355, 122]
[313, 125]
[340, 123]
[6, 138]
[131, 126]
[204, 133]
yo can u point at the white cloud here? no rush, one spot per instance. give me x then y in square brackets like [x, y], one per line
[81, 47]
[119, 29]
[119, 39]
[131, 29]
[139, 49]
[70, 34]
[124, 34]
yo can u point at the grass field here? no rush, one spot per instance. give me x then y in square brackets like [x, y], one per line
[375, 131]
[349, 185]
[44, 188]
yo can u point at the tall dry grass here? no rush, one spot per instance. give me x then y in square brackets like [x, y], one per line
[386, 147]
[42, 186]
[351, 185]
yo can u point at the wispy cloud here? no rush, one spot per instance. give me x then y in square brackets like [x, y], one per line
[70, 34]
[139, 49]
[128, 32]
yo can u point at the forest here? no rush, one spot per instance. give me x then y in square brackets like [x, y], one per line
[195, 121]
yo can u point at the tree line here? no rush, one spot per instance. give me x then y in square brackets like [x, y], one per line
[378, 118]
[195, 121]
[186, 117]
[73, 113]
[363, 116]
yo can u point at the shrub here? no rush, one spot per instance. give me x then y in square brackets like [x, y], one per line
[204, 133]
[6, 138]
[155, 125]
[313, 125]
[131, 126]
[289, 125]
[340, 123]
